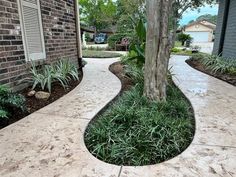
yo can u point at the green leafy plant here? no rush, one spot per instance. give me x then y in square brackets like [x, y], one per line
[113, 39]
[9, 102]
[135, 73]
[62, 71]
[137, 47]
[175, 50]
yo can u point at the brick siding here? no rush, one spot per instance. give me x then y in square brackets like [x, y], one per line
[58, 19]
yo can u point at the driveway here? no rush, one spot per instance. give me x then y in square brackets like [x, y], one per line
[206, 47]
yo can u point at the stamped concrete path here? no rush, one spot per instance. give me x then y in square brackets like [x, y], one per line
[49, 143]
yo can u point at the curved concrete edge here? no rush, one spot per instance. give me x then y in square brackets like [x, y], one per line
[50, 141]
[213, 150]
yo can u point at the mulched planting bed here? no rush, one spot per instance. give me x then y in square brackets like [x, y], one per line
[118, 69]
[196, 64]
[135, 131]
[34, 104]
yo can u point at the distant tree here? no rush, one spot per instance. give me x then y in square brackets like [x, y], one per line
[191, 21]
[183, 38]
[208, 17]
[129, 11]
[98, 13]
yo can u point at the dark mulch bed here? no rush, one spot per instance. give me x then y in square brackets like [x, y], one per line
[34, 104]
[231, 79]
[118, 69]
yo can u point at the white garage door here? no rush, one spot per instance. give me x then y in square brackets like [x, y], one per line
[199, 36]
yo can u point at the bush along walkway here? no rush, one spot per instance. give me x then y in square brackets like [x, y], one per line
[50, 142]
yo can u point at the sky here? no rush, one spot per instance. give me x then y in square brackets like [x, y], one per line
[192, 15]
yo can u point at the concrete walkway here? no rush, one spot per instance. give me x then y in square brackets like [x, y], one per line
[49, 143]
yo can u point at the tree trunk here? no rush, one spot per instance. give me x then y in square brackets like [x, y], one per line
[157, 49]
[175, 26]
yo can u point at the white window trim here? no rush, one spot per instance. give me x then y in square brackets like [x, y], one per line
[35, 56]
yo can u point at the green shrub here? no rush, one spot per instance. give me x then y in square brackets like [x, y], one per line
[10, 102]
[137, 47]
[175, 50]
[113, 39]
[183, 38]
[62, 71]
[135, 73]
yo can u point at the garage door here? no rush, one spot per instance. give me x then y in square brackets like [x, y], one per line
[199, 36]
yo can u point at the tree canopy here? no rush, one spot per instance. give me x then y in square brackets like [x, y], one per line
[98, 13]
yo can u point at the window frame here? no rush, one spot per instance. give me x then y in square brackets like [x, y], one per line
[35, 56]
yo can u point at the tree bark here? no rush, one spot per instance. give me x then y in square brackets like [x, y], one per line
[157, 49]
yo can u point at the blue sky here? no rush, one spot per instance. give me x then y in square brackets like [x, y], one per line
[192, 15]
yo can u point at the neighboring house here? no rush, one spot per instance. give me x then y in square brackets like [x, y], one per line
[39, 30]
[201, 31]
[225, 40]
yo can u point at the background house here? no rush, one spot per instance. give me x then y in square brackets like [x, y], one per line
[38, 30]
[201, 31]
[225, 42]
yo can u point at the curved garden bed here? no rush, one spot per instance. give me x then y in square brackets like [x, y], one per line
[217, 67]
[134, 131]
[47, 83]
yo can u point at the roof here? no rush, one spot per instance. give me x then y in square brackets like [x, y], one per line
[210, 25]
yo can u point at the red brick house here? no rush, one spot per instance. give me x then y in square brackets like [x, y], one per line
[39, 30]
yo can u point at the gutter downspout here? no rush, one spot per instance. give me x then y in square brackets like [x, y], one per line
[78, 35]
[224, 26]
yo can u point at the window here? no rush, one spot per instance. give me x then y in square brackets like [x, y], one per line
[32, 30]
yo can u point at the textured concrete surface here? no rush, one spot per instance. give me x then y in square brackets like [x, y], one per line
[49, 143]
[206, 47]
[213, 150]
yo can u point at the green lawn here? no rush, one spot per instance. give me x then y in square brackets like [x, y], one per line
[99, 54]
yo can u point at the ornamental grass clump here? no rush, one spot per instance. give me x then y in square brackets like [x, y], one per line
[217, 64]
[62, 71]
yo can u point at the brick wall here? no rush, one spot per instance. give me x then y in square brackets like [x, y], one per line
[12, 58]
[58, 19]
[59, 28]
